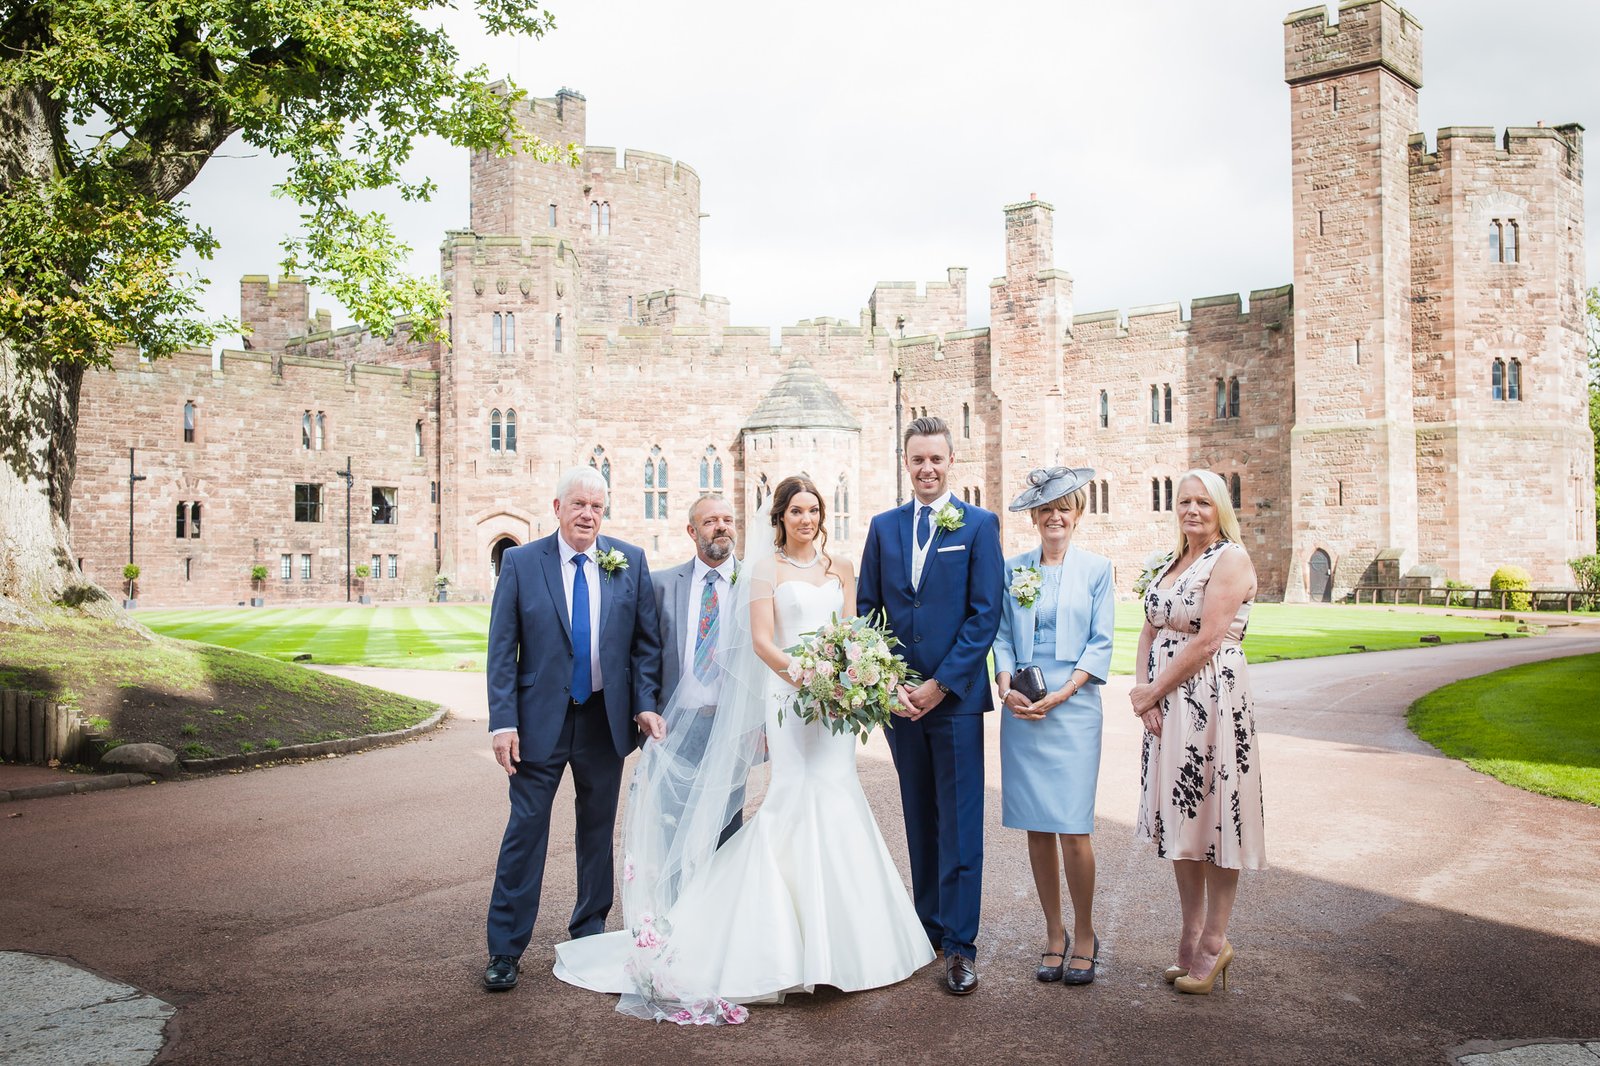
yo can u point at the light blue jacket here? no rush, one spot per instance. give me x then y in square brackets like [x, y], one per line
[1085, 618]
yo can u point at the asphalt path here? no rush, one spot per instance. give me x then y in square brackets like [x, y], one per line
[332, 911]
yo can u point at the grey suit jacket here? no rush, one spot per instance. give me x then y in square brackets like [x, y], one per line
[672, 607]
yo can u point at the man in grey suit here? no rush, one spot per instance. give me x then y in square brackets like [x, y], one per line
[689, 601]
[574, 676]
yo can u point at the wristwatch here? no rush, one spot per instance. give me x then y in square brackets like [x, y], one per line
[942, 686]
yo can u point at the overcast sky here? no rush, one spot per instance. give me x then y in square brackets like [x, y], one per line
[840, 143]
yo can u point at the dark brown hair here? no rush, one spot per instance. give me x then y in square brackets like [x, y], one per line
[930, 427]
[787, 490]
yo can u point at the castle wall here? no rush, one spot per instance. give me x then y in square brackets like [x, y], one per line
[242, 469]
[1516, 300]
[653, 238]
[941, 307]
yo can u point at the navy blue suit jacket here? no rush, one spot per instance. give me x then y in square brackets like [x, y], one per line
[946, 624]
[530, 646]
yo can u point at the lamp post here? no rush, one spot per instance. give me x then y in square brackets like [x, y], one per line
[899, 445]
[349, 485]
[133, 479]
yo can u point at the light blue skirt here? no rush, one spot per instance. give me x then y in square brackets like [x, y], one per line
[1049, 768]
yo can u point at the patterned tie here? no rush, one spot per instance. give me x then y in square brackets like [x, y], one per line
[924, 526]
[705, 639]
[582, 677]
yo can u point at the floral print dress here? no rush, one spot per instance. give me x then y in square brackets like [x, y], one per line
[1202, 776]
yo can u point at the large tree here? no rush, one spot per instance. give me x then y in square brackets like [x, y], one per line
[109, 109]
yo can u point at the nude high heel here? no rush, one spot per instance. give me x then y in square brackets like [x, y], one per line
[1196, 987]
[1172, 973]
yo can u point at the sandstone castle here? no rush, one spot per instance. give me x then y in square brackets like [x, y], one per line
[1412, 404]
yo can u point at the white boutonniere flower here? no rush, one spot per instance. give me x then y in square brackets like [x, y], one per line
[1150, 569]
[1025, 584]
[949, 518]
[611, 561]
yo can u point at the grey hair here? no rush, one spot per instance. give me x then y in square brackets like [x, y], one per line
[582, 477]
[717, 496]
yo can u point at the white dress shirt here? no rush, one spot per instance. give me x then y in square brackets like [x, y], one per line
[697, 693]
[919, 556]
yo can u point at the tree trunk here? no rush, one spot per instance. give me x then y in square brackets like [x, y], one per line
[38, 416]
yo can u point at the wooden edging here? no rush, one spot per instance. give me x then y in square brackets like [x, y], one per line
[343, 746]
[87, 783]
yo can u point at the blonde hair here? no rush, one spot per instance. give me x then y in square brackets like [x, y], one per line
[1076, 500]
[1227, 517]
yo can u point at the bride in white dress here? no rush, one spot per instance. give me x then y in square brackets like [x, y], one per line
[805, 894]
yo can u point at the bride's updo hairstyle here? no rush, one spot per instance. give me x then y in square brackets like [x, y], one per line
[787, 490]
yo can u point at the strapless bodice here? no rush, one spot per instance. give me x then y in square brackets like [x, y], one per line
[802, 607]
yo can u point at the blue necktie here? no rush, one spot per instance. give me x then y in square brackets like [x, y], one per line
[582, 679]
[924, 526]
[705, 640]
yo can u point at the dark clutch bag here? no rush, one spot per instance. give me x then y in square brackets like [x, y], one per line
[1029, 680]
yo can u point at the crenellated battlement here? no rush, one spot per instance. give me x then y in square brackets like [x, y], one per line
[610, 165]
[1558, 147]
[1369, 34]
[1267, 307]
[558, 120]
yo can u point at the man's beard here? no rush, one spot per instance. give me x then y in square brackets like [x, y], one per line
[716, 551]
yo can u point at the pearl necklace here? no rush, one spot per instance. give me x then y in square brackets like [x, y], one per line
[815, 559]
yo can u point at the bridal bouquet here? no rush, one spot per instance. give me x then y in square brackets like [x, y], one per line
[847, 673]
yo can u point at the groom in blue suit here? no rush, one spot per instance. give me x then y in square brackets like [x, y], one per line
[574, 677]
[935, 567]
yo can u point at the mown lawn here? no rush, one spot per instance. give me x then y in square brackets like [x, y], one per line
[198, 699]
[1535, 727]
[451, 637]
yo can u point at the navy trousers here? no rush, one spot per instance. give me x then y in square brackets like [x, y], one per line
[586, 746]
[940, 763]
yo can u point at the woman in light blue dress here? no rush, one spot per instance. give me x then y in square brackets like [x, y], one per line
[1059, 615]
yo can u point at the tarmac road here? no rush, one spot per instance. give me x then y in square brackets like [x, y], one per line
[333, 911]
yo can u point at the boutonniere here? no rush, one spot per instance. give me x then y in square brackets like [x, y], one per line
[611, 561]
[1025, 584]
[949, 518]
[1150, 569]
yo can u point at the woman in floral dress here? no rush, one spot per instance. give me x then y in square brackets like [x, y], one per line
[1201, 772]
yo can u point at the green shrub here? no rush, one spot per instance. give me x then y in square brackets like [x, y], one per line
[258, 572]
[363, 571]
[1457, 600]
[1509, 578]
[1586, 568]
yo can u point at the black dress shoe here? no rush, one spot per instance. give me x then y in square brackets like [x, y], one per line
[1071, 976]
[959, 975]
[501, 975]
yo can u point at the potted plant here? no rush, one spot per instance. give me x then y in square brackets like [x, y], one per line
[362, 573]
[130, 574]
[441, 587]
[258, 578]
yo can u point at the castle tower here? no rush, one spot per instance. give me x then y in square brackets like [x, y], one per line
[1030, 311]
[1353, 482]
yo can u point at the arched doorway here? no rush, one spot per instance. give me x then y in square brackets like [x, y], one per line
[496, 550]
[1321, 577]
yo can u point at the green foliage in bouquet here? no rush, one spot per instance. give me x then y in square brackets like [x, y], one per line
[847, 673]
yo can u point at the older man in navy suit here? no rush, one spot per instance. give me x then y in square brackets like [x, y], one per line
[574, 677]
[934, 566]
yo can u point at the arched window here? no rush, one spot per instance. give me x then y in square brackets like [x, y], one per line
[599, 462]
[1105, 410]
[966, 494]
[605, 224]
[1222, 398]
[1514, 380]
[1155, 494]
[1155, 405]
[1166, 485]
[1233, 491]
[511, 429]
[1497, 381]
[558, 333]
[416, 438]
[977, 495]
[189, 417]
[1513, 244]
[494, 430]
[496, 334]
[1495, 254]
[1166, 405]
[841, 510]
[552, 216]
[705, 475]
[305, 430]
[716, 472]
[649, 488]
[1105, 498]
[966, 421]
[1233, 397]
[183, 520]
[655, 484]
[594, 217]
[630, 308]
[321, 436]
[1094, 499]
[194, 520]
[511, 333]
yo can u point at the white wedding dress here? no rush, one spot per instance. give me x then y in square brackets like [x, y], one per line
[805, 894]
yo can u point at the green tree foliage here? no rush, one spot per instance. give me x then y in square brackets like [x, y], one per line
[108, 111]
